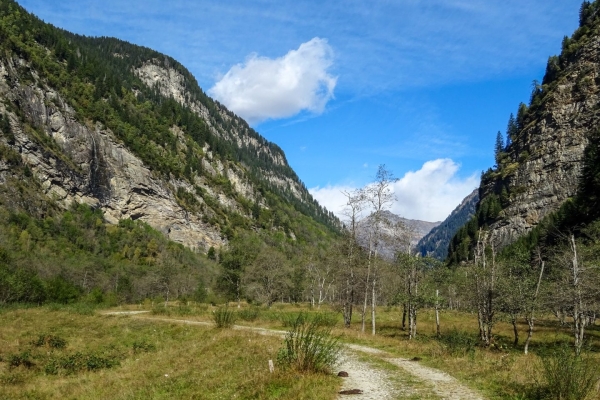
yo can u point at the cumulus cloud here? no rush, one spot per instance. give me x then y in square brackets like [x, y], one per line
[429, 194]
[264, 88]
[332, 197]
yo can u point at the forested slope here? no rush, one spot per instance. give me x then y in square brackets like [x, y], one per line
[117, 172]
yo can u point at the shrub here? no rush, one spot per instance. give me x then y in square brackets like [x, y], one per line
[325, 319]
[224, 317]
[141, 346]
[567, 375]
[79, 362]
[309, 347]
[23, 359]
[51, 341]
[161, 309]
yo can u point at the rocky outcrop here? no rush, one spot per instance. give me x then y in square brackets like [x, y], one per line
[81, 163]
[395, 233]
[546, 156]
[435, 243]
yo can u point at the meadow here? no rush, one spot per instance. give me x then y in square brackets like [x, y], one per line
[75, 351]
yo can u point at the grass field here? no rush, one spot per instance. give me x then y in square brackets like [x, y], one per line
[122, 357]
[109, 357]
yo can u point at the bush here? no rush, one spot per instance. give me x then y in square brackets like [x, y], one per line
[325, 319]
[224, 317]
[309, 347]
[16, 360]
[142, 346]
[78, 362]
[567, 375]
[51, 341]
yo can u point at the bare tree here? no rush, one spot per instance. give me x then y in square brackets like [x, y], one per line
[531, 306]
[484, 273]
[576, 291]
[380, 195]
[354, 206]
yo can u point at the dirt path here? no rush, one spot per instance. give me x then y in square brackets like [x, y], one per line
[375, 383]
[441, 383]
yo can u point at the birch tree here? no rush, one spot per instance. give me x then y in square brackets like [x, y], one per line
[484, 274]
[347, 276]
[380, 196]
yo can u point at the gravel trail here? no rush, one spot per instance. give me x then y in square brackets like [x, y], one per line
[375, 383]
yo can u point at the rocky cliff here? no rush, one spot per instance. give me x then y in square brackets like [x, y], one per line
[396, 233]
[126, 129]
[435, 243]
[541, 166]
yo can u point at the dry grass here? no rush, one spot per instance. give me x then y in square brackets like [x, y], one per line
[501, 372]
[155, 360]
[208, 363]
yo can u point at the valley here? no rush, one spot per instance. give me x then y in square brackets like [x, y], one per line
[155, 244]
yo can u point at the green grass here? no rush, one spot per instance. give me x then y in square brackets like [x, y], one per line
[208, 363]
[123, 358]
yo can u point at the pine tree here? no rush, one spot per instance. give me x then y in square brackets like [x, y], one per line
[511, 130]
[521, 114]
[584, 12]
[499, 147]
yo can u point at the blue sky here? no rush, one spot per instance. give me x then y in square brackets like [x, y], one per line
[344, 86]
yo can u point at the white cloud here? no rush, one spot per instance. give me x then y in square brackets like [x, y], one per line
[429, 194]
[332, 197]
[264, 88]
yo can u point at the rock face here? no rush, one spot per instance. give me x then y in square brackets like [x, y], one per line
[407, 232]
[89, 165]
[78, 159]
[546, 156]
[435, 243]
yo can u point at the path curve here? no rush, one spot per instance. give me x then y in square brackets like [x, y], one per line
[361, 375]
[444, 385]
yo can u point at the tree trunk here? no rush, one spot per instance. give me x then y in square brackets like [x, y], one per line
[373, 305]
[437, 313]
[513, 320]
[404, 316]
[530, 318]
[366, 302]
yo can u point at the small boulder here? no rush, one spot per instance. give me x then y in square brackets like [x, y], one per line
[351, 391]
[343, 374]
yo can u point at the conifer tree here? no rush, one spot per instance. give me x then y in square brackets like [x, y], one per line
[498, 148]
[511, 130]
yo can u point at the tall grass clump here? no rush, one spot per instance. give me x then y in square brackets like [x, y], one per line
[567, 375]
[224, 317]
[458, 343]
[309, 347]
[249, 314]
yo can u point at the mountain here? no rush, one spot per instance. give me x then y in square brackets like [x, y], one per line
[435, 243]
[540, 167]
[408, 230]
[128, 130]
[121, 180]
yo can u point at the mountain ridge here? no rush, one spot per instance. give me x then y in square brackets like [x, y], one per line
[435, 243]
[540, 168]
[127, 129]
